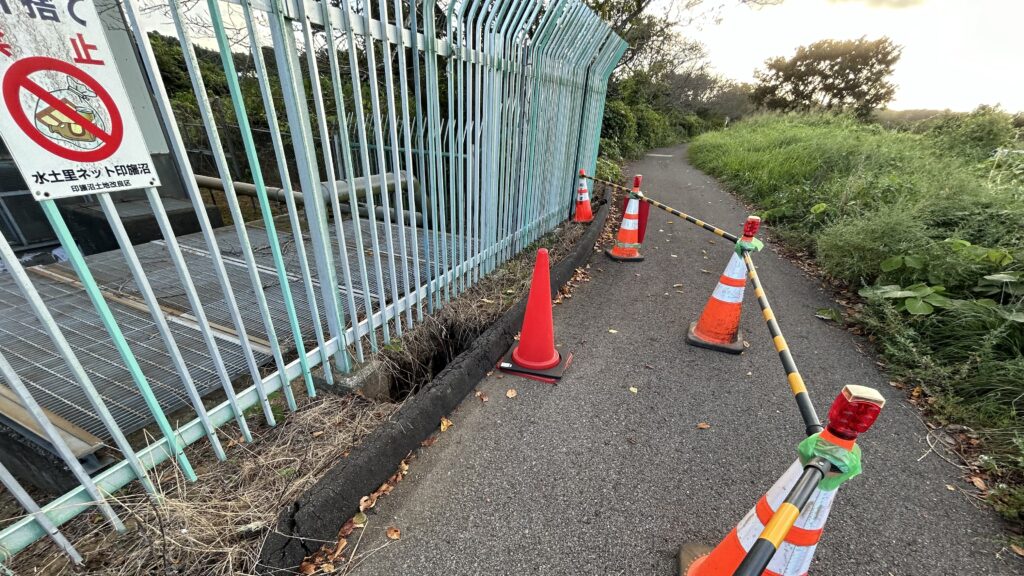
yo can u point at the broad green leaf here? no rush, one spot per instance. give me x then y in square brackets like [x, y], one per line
[938, 300]
[900, 294]
[915, 262]
[922, 291]
[828, 314]
[869, 291]
[918, 306]
[1017, 317]
[892, 263]
[819, 208]
[1004, 277]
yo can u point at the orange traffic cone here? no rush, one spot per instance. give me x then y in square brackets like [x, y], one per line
[584, 213]
[853, 412]
[719, 325]
[627, 243]
[535, 356]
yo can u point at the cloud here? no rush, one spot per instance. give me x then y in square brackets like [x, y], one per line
[882, 3]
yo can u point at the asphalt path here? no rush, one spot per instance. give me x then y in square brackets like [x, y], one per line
[587, 477]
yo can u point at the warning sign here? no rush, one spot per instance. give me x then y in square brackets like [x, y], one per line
[67, 119]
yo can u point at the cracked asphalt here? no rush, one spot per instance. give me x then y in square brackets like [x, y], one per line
[587, 477]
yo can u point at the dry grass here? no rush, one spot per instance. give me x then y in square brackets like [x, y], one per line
[217, 525]
[421, 353]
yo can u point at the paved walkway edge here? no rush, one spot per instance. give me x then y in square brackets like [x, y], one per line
[319, 513]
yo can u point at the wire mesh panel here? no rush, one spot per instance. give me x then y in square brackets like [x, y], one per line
[373, 159]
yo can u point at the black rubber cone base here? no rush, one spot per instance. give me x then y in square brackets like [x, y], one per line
[735, 347]
[621, 259]
[551, 375]
[690, 553]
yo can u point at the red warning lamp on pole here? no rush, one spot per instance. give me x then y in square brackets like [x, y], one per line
[750, 227]
[854, 411]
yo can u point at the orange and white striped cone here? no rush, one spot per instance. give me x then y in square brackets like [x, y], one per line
[584, 212]
[797, 549]
[718, 327]
[627, 243]
[788, 531]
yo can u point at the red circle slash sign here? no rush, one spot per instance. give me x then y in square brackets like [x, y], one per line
[17, 79]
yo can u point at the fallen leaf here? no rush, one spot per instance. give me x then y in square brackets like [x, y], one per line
[978, 483]
[896, 384]
[487, 301]
[483, 397]
[429, 442]
[633, 389]
[703, 425]
[367, 502]
[612, 331]
[359, 520]
[677, 285]
[1018, 550]
[346, 529]
[445, 424]
[950, 487]
[916, 392]
[338, 549]
[327, 568]
[307, 568]
[511, 393]
[317, 434]
[393, 533]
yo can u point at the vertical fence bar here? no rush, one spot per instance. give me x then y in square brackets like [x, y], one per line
[114, 330]
[242, 117]
[142, 282]
[364, 149]
[349, 170]
[177, 146]
[49, 325]
[270, 109]
[30, 506]
[213, 134]
[26, 399]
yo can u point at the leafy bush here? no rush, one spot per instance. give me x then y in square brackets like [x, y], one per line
[974, 136]
[917, 218]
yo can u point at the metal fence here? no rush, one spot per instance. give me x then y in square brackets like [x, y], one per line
[457, 131]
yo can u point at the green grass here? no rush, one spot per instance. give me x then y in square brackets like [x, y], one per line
[918, 211]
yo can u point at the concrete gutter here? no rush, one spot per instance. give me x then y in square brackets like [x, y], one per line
[318, 515]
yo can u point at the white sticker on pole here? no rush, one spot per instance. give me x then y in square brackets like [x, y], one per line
[67, 120]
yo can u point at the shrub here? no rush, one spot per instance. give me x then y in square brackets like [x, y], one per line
[920, 215]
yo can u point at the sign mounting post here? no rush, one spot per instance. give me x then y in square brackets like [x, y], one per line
[67, 119]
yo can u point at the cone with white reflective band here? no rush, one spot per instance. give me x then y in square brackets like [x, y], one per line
[627, 243]
[853, 412]
[718, 327]
[797, 549]
[584, 212]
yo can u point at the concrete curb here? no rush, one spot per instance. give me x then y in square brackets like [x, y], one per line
[320, 512]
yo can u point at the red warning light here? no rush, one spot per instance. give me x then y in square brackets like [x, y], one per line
[751, 226]
[854, 411]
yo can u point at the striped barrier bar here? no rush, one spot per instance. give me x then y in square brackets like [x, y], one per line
[691, 219]
[796, 382]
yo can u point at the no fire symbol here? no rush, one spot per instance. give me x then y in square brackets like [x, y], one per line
[63, 109]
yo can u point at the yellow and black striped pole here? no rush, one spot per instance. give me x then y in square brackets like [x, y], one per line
[768, 542]
[714, 229]
[691, 219]
[606, 182]
[796, 382]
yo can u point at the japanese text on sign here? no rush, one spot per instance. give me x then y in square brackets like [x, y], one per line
[69, 124]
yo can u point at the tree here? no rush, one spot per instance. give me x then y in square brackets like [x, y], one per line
[839, 75]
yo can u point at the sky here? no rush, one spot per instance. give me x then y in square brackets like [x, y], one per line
[957, 54]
